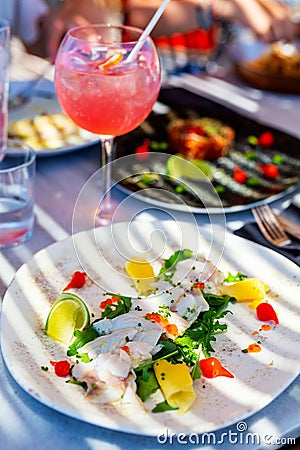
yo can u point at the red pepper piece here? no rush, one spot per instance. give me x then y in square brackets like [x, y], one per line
[61, 368]
[266, 327]
[212, 368]
[142, 151]
[199, 285]
[270, 170]
[108, 301]
[265, 312]
[239, 175]
[253, 348]
[126, 349]
[266, 139]
[155, 317]
[171, 328]
[77, 281]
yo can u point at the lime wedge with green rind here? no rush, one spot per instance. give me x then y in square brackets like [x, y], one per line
[193, 169]
[67, 314]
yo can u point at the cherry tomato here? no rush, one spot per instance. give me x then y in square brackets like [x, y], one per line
[61, 368]
[266, 139]
[212, 368]
[239, 175]
[77, 281]
[270, 170]
[142, 151]
[265, 312]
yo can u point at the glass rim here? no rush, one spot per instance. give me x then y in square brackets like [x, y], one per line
[137, 30]
[30, 151]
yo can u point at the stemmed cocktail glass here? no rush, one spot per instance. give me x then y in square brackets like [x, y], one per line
[107, 88]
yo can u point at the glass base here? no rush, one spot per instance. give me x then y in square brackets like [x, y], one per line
[104, 217]
[14, 236]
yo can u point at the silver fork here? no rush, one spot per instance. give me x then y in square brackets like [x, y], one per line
[271, 229]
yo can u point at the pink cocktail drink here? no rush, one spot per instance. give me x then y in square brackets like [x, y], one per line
[110, 100]
[107, 80]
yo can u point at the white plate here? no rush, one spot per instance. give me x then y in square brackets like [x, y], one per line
[47, 103]
[259, 377]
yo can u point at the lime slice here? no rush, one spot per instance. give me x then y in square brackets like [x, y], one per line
[68, 313]
[193, 169]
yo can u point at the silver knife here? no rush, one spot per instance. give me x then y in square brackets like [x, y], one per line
[288, 225]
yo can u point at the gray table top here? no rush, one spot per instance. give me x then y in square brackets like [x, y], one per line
[24, 422]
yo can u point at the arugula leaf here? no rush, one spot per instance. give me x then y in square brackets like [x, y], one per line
[168, 268]
[82, 337]
[162, 407]
[84, 357]
[212, 326]
[196, 371]
[146, 384]
[203, 331]
[168, 347]
[234, 278]
[145, 377]
[83, 384]
[150, 363]
[218, 301]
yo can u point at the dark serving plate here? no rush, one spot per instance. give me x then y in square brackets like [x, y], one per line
[222, 194]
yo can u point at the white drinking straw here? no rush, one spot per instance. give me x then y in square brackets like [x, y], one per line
[147, 31]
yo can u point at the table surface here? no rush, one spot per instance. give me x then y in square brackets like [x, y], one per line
[24, 422]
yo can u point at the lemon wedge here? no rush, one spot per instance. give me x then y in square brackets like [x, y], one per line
[246, 290]
[68, 313]
[111, 60]
[142, 274]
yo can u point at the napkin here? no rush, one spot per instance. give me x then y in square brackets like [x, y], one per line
[251, 232]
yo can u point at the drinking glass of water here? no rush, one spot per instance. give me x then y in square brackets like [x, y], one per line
[17, 173]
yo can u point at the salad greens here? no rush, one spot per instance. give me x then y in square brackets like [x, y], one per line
[116, 309]
[169, 267]
[234, 278]
[82, 338]
[196, 340]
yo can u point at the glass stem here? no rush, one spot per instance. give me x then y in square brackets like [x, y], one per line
[107, 156]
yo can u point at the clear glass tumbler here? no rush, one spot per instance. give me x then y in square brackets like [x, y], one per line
[17, 174]
[4, 60]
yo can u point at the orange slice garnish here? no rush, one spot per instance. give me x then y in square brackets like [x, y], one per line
[111, 60]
